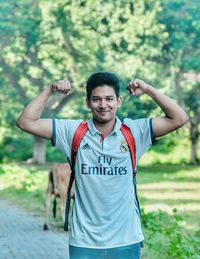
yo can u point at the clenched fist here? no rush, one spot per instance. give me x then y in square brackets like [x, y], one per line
[137, 87]
[61, 86]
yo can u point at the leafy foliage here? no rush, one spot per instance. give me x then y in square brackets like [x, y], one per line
[164, 232]
[181, 54]
[43, 41]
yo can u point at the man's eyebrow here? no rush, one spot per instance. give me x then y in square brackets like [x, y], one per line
[108, 96]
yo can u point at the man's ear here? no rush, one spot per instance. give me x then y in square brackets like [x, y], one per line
[119, 101]
[87, 103]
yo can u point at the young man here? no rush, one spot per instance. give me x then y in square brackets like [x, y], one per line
[105, 221]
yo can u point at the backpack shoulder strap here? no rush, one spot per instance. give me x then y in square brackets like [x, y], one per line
[131, 143]
[78, 136]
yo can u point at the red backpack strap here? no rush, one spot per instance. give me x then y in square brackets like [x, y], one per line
[131, 143]
[78, 136]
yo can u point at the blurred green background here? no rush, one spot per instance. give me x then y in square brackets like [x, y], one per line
[156, 41]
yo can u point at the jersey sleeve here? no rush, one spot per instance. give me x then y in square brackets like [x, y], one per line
[143, 134]
[63, 132]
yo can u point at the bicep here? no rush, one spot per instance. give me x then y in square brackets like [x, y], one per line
[42, 127]
[162, 126]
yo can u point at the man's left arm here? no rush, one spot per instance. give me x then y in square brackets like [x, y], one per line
[175, 117]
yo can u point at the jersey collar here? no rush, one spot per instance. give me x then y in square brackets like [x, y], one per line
[94, 131]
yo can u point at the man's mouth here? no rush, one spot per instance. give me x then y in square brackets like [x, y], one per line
[103, 111]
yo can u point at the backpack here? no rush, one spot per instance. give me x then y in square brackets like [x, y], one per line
[78, 136]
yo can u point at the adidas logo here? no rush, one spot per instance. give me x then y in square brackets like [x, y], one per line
[86, 146]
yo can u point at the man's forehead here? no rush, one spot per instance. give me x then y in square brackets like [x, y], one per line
[104, 90]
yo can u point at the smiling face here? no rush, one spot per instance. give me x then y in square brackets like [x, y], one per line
[103, 103]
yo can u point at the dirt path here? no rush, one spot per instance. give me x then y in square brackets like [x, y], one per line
[22, 236]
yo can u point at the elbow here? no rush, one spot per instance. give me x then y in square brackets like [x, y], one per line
[183, 120]
[186, 118]
[20, 123]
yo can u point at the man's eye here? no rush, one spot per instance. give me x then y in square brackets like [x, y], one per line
[95, 100]
[109, 99]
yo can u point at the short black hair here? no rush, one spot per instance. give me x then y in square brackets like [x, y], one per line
[101, 79]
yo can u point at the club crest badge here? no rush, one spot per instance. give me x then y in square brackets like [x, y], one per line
[123, 146]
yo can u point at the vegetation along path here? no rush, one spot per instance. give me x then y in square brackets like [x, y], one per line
[22, 236]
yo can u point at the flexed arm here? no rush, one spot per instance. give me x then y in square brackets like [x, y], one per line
[29, 119]
[175, 117]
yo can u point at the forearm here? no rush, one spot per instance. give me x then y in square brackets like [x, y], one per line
[30, 120]
[171, 109]
[33, 110]
[175, 117]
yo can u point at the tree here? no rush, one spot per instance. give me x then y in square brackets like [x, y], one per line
[119, 36]
[181, 54]
[26, 66]
[43, 42]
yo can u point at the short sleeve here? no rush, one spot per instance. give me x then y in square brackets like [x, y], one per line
[62, 135]
[143, 134]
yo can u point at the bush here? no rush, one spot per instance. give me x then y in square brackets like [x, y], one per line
[166, 239]
[15, 148]
[19, 147]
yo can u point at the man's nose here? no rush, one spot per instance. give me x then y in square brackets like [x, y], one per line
[102, 103]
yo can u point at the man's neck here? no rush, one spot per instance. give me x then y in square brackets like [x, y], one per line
[105, 127]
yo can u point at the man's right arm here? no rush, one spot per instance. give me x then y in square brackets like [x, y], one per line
[30, 120]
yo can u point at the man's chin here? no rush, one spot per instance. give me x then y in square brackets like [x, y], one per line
[102, 119]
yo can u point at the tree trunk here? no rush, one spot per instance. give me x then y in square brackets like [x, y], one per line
[194, 136]
[194, 121]
[179, 89]
[39, 151]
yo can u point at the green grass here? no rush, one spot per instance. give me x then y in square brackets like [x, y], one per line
[167, 187]
[169, 195]
[24, 185]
